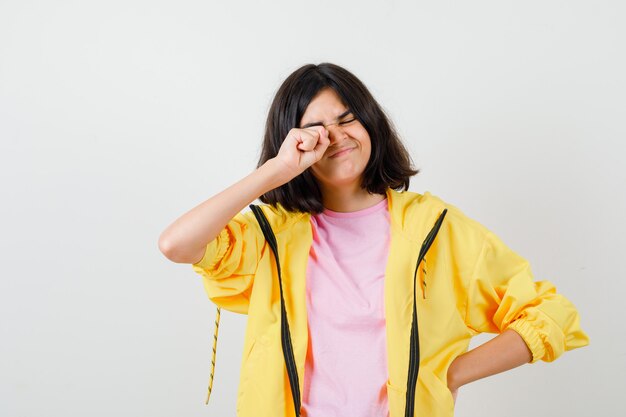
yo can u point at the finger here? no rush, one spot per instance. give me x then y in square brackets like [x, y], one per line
[308, 141]
[317, 133]
[299, 137]
[321, 130]
[321, 147]
[323, 142]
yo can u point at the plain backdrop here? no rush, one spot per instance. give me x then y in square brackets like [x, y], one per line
[116, 117]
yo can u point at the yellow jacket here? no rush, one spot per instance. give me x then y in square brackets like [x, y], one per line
[468, 282]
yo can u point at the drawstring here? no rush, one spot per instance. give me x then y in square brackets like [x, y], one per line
[217, 325]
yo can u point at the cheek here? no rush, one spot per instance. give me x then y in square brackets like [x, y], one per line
[360, 134]
[366, 144]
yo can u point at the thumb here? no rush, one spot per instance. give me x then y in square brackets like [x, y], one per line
[323, 141]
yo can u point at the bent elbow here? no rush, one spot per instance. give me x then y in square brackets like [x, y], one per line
[171, 250]
[179, 254]
[167, 248]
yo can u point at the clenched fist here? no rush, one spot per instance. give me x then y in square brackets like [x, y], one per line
[301, 149]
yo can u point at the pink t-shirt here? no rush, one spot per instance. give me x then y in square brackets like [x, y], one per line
[346, 362]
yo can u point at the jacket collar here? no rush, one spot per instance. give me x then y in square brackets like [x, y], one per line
[411, 214]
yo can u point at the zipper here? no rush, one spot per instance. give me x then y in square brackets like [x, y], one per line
[285, 334]
[424, 279]
[414, 350]
[414, 359]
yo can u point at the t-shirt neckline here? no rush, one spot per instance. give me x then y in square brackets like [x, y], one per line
[368, 210]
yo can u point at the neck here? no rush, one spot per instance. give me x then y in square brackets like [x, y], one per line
[343, 199]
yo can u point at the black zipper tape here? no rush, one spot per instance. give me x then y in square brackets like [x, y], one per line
[414, 349]
[287, 345]
[285, 334]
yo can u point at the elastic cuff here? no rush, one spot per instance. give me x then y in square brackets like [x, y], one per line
[215, 251]
[531, 337]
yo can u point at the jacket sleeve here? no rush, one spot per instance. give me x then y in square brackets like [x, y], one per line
[503, 295]
[230, 262]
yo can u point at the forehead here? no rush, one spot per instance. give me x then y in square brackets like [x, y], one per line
[326, 105]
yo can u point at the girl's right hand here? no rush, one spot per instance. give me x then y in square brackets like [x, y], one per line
[301, 149]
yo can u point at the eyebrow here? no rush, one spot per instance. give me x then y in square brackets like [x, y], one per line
[344, 114]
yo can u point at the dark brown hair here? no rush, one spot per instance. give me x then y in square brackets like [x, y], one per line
[389, 166]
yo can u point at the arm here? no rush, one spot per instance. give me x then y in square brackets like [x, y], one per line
[532, 320]
[502, 294]
[223, 245]
[505, 351]
[185, 240]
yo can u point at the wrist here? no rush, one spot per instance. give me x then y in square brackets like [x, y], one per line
[277, 171]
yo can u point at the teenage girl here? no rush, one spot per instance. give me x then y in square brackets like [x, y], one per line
[361, 296]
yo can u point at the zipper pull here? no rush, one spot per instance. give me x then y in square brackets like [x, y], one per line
[424, 283]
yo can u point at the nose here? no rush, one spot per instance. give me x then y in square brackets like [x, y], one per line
[336, 133]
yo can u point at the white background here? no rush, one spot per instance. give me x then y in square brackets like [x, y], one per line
[118, 116]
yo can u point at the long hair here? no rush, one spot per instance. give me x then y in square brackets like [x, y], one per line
[390, 164]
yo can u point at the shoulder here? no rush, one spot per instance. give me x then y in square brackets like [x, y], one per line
[415, 212]
[278, 218]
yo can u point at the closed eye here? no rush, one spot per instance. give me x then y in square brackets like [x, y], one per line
[345, 122]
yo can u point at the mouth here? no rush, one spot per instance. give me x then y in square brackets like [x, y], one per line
[341, 152]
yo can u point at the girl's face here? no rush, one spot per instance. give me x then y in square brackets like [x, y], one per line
[346, 133]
